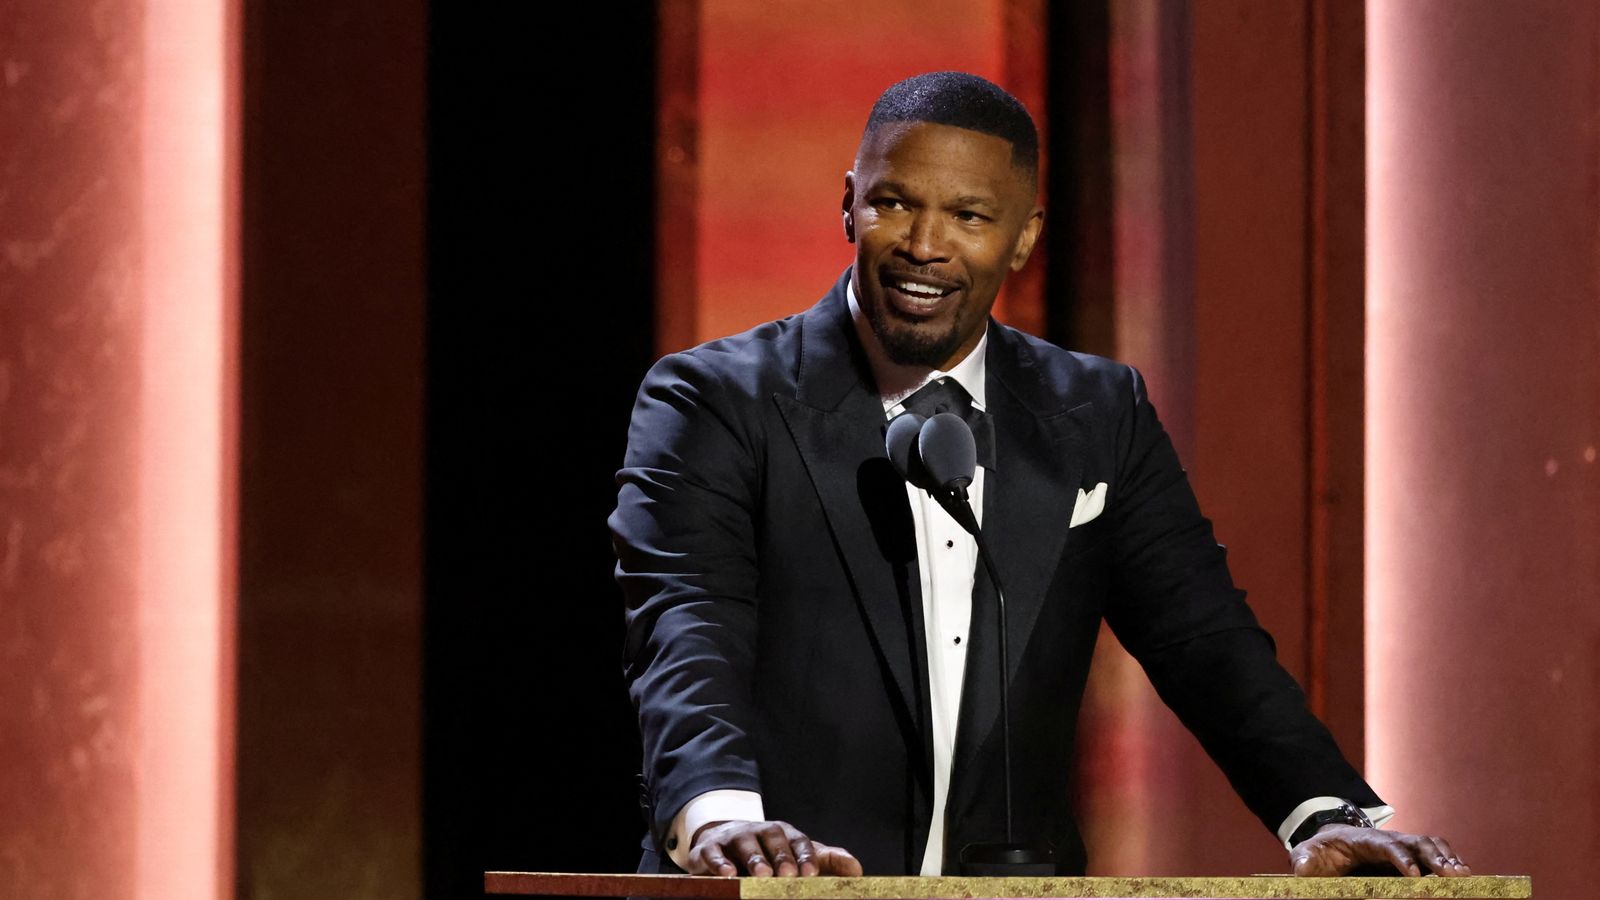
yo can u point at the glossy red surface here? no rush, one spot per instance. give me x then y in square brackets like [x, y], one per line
[116, 299]
[1483, 496]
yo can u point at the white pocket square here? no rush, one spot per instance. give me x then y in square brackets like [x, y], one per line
[1089, 505]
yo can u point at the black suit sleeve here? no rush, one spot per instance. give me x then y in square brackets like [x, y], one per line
[1176, 609]
[684, 535]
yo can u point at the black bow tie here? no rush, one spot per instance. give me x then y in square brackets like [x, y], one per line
[947, 395]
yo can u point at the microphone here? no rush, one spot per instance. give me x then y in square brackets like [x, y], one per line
[948, 452]
[949, 457]
[944, 462]
[901, 443]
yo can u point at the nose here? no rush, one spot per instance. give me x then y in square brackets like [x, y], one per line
[924, 240]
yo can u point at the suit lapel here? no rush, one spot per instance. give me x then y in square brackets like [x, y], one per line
[837, 423]
[1027, 507]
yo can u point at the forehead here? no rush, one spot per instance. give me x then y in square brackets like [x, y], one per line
[937, 157]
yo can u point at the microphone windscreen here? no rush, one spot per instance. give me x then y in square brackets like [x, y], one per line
[948, 451]
[901, 443]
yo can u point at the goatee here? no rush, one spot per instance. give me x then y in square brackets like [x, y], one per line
[911, 345]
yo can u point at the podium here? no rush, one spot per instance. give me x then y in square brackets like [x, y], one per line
[1273, 887]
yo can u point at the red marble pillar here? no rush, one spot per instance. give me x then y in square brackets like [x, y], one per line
[115, 274]
[70, 291]
[1483, 496]
[188, 476]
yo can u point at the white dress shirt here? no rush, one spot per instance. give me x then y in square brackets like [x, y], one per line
[947, 559]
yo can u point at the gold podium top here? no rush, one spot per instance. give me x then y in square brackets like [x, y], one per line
[1272, 887]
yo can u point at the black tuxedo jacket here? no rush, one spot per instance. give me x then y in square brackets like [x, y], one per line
[774, 638]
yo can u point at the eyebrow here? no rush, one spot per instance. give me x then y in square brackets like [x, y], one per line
[895, 187]
[974, 200]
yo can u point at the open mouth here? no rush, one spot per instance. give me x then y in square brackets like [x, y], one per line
[919, 297]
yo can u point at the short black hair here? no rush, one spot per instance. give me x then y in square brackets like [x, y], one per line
[965, 101]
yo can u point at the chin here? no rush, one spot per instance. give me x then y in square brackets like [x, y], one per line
[911, 341]
[911, 346]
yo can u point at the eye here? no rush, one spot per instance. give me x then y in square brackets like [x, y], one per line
[967, 215]
[888, 203]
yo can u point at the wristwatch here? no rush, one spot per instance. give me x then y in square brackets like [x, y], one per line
[1346, 813]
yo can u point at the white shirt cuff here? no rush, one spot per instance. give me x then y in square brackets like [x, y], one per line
[712, 806]
[1378, 815]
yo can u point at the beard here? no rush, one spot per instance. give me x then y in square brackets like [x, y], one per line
[914, 344]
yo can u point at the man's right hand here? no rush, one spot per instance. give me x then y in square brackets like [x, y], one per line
[765, 848]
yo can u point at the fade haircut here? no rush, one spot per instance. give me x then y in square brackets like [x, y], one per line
[963, 101]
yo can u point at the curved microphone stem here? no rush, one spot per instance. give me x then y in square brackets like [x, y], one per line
[971, 524]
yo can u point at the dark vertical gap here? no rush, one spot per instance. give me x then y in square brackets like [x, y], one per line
[1080, 251]
[541, 218]
[330, 339]
[252, 132]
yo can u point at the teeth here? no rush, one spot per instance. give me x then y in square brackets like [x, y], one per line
[923, 290]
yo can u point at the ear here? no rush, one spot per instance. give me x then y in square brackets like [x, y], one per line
[848, 205]
[1029, 236]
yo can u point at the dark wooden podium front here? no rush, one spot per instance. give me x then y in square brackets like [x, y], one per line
[1273, 887]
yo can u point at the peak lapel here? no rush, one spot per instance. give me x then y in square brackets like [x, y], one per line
[837, 423]
[1027, 507]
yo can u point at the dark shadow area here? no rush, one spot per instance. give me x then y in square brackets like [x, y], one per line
[538, 331]
[1079, 240]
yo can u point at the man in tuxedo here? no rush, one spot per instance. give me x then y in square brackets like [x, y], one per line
[811, 646]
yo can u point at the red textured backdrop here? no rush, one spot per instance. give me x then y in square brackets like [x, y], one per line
[763, 106]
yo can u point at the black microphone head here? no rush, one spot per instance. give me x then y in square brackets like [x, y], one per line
[901, 443]
[948, 452]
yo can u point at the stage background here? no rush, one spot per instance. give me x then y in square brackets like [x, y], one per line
[319, 330]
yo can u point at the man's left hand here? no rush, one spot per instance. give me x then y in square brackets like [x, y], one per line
[1337, 849]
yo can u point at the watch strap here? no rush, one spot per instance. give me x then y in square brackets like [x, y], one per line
[1346, 813]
